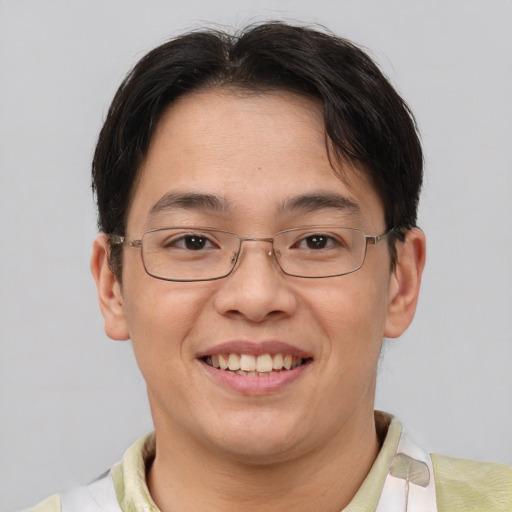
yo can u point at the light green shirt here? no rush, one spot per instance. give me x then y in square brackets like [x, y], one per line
[461, 485]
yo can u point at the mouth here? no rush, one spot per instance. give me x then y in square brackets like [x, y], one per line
[255, 365]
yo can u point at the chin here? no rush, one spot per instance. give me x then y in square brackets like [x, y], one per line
[260, 453]
[258, 441]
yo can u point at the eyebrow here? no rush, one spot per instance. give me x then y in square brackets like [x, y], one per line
[312, 202]
[189, 201]
[320, 201]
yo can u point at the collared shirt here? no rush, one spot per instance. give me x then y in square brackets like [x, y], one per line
[454, 485]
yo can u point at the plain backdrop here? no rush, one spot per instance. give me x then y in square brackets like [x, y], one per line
[71, 400]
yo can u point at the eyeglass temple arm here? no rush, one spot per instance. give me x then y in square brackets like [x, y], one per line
[375, 239]
[118, 240]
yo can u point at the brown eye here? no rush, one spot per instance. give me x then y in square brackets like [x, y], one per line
[189, 242]
[317, 241]
[195, 242]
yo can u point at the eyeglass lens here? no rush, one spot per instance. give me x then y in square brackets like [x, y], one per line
[193, 254]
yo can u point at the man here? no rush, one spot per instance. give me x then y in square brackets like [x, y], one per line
[257, 199]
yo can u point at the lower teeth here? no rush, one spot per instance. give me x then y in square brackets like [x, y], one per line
[250, 374]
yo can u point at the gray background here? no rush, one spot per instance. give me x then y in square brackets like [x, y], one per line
[71, 400]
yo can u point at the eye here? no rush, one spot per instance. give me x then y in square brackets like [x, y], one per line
[316, 241]
[190, 242]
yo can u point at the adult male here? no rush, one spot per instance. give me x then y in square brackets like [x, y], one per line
[257, 201]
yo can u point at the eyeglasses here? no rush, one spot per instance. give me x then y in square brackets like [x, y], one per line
[205, 254]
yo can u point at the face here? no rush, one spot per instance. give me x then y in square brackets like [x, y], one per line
[257, 154]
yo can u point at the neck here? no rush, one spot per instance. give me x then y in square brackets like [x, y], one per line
[186, 476]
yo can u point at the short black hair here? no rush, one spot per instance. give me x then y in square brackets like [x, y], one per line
[366, 121]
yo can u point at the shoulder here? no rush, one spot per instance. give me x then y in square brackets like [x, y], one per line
[99, 495]
[51, 504]
[472, 486]
[123, 487]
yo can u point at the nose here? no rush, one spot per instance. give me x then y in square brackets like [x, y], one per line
[257, 289]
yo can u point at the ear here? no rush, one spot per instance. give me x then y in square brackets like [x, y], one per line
[404, 285]
[109, 291]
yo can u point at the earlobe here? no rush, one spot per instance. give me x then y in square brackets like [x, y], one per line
[109, 291]
[405, 283]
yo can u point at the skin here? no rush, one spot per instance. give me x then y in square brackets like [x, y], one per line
[309, 444]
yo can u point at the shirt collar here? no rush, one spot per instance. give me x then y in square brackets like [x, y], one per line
[133, 494]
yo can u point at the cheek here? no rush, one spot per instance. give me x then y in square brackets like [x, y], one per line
[160, 318]
[352, 312]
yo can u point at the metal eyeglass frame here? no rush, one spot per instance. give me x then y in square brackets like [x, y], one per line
[137, 244]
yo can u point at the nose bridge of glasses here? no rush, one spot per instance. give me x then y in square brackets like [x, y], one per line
[256, 239]
[236, 260]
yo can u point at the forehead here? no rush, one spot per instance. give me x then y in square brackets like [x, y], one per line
[254, 154]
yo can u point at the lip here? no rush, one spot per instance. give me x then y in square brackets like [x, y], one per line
[255, 385]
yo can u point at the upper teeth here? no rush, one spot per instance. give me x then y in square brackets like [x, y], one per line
[250, 363]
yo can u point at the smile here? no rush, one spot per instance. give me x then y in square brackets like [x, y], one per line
[251, 365]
